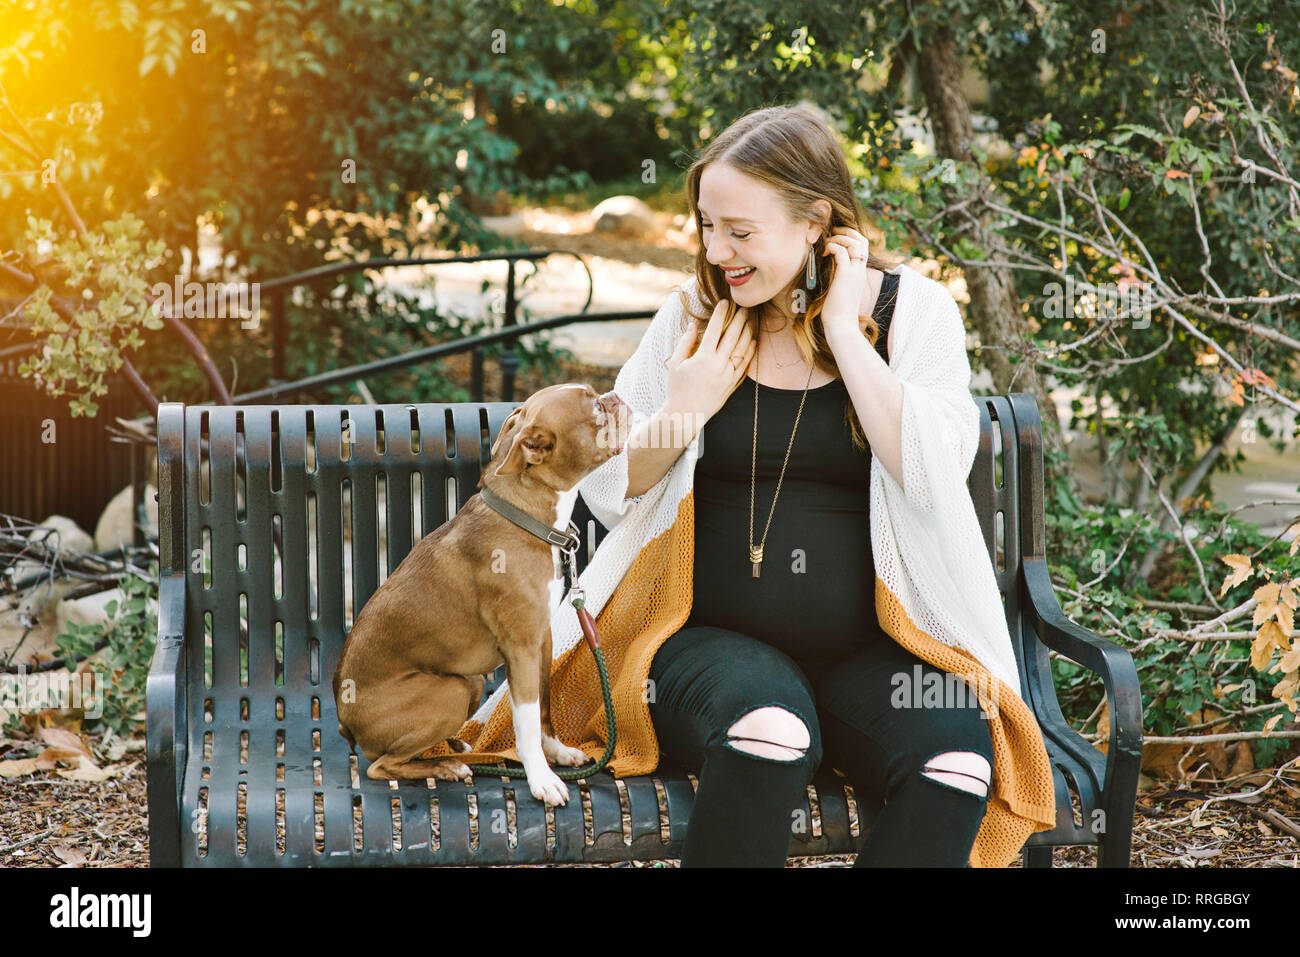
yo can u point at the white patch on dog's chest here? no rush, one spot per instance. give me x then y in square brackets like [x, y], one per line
[563, 512]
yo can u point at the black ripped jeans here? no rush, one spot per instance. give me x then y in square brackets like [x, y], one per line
[705, 678]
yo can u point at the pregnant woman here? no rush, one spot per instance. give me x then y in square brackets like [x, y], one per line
[783, 662]
[793, 553]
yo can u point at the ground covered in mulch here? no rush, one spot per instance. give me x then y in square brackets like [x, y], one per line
[85, 809]
[48, 818]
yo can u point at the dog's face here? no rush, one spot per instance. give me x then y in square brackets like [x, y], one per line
[562, 432]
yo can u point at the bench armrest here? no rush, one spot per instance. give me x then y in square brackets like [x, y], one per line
[1108, 660]
[166, 724]
[1115, 667]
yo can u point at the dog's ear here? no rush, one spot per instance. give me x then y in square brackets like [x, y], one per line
[506, 426]
[533, 444]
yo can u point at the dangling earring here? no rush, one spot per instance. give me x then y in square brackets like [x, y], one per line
[810, 277]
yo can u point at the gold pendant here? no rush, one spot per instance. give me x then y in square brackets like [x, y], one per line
[756, 556]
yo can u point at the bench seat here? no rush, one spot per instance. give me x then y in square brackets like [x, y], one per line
[277, 523]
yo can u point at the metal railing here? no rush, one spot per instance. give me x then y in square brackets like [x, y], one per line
[509, 334]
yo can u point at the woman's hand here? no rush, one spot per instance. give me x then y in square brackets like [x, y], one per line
[849, 285]
[700, 383]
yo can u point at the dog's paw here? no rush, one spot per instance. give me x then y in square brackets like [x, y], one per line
[561, 754]
[548, 788]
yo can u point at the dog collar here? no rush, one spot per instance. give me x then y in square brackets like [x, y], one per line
[566, 541]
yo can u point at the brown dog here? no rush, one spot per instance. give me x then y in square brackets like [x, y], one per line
[472, 594]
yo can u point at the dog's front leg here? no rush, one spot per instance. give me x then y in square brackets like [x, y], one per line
[557, 752]
[524, 677]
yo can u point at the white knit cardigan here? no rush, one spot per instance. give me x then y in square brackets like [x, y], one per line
[926, 539]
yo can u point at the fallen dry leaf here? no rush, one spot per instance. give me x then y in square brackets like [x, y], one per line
[123, 746]
[17, 767]
[50, 758]
[69, 855]
[54, 718]
[91, 772]
[64, 739]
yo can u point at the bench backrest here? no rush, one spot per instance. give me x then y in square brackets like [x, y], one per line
[285, 510]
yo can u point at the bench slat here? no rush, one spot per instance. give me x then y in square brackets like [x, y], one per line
[834, 808]
[606, 818]
[570, 826]
[259, 773]
[643, 806]
[453, 823]
[530, 824]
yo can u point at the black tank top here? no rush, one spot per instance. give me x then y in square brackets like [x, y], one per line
[815, 598]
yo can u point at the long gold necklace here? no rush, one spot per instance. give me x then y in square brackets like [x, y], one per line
[756, 552]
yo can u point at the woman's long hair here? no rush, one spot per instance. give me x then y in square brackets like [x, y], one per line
[791, 150]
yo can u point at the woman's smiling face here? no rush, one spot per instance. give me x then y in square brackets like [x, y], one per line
[745, 226]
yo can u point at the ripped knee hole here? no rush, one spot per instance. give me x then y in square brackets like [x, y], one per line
[966, 770]
[776, 722]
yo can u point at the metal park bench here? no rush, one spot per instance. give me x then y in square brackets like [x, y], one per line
[277, 524]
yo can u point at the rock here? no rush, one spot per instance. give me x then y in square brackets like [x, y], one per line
[39, 642]
[92, 609]
[56, 531]
[33, 600]
[116, 525]
[627, 216]
[60, 698]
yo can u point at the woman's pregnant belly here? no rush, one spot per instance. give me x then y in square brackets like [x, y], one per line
[815, 597]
